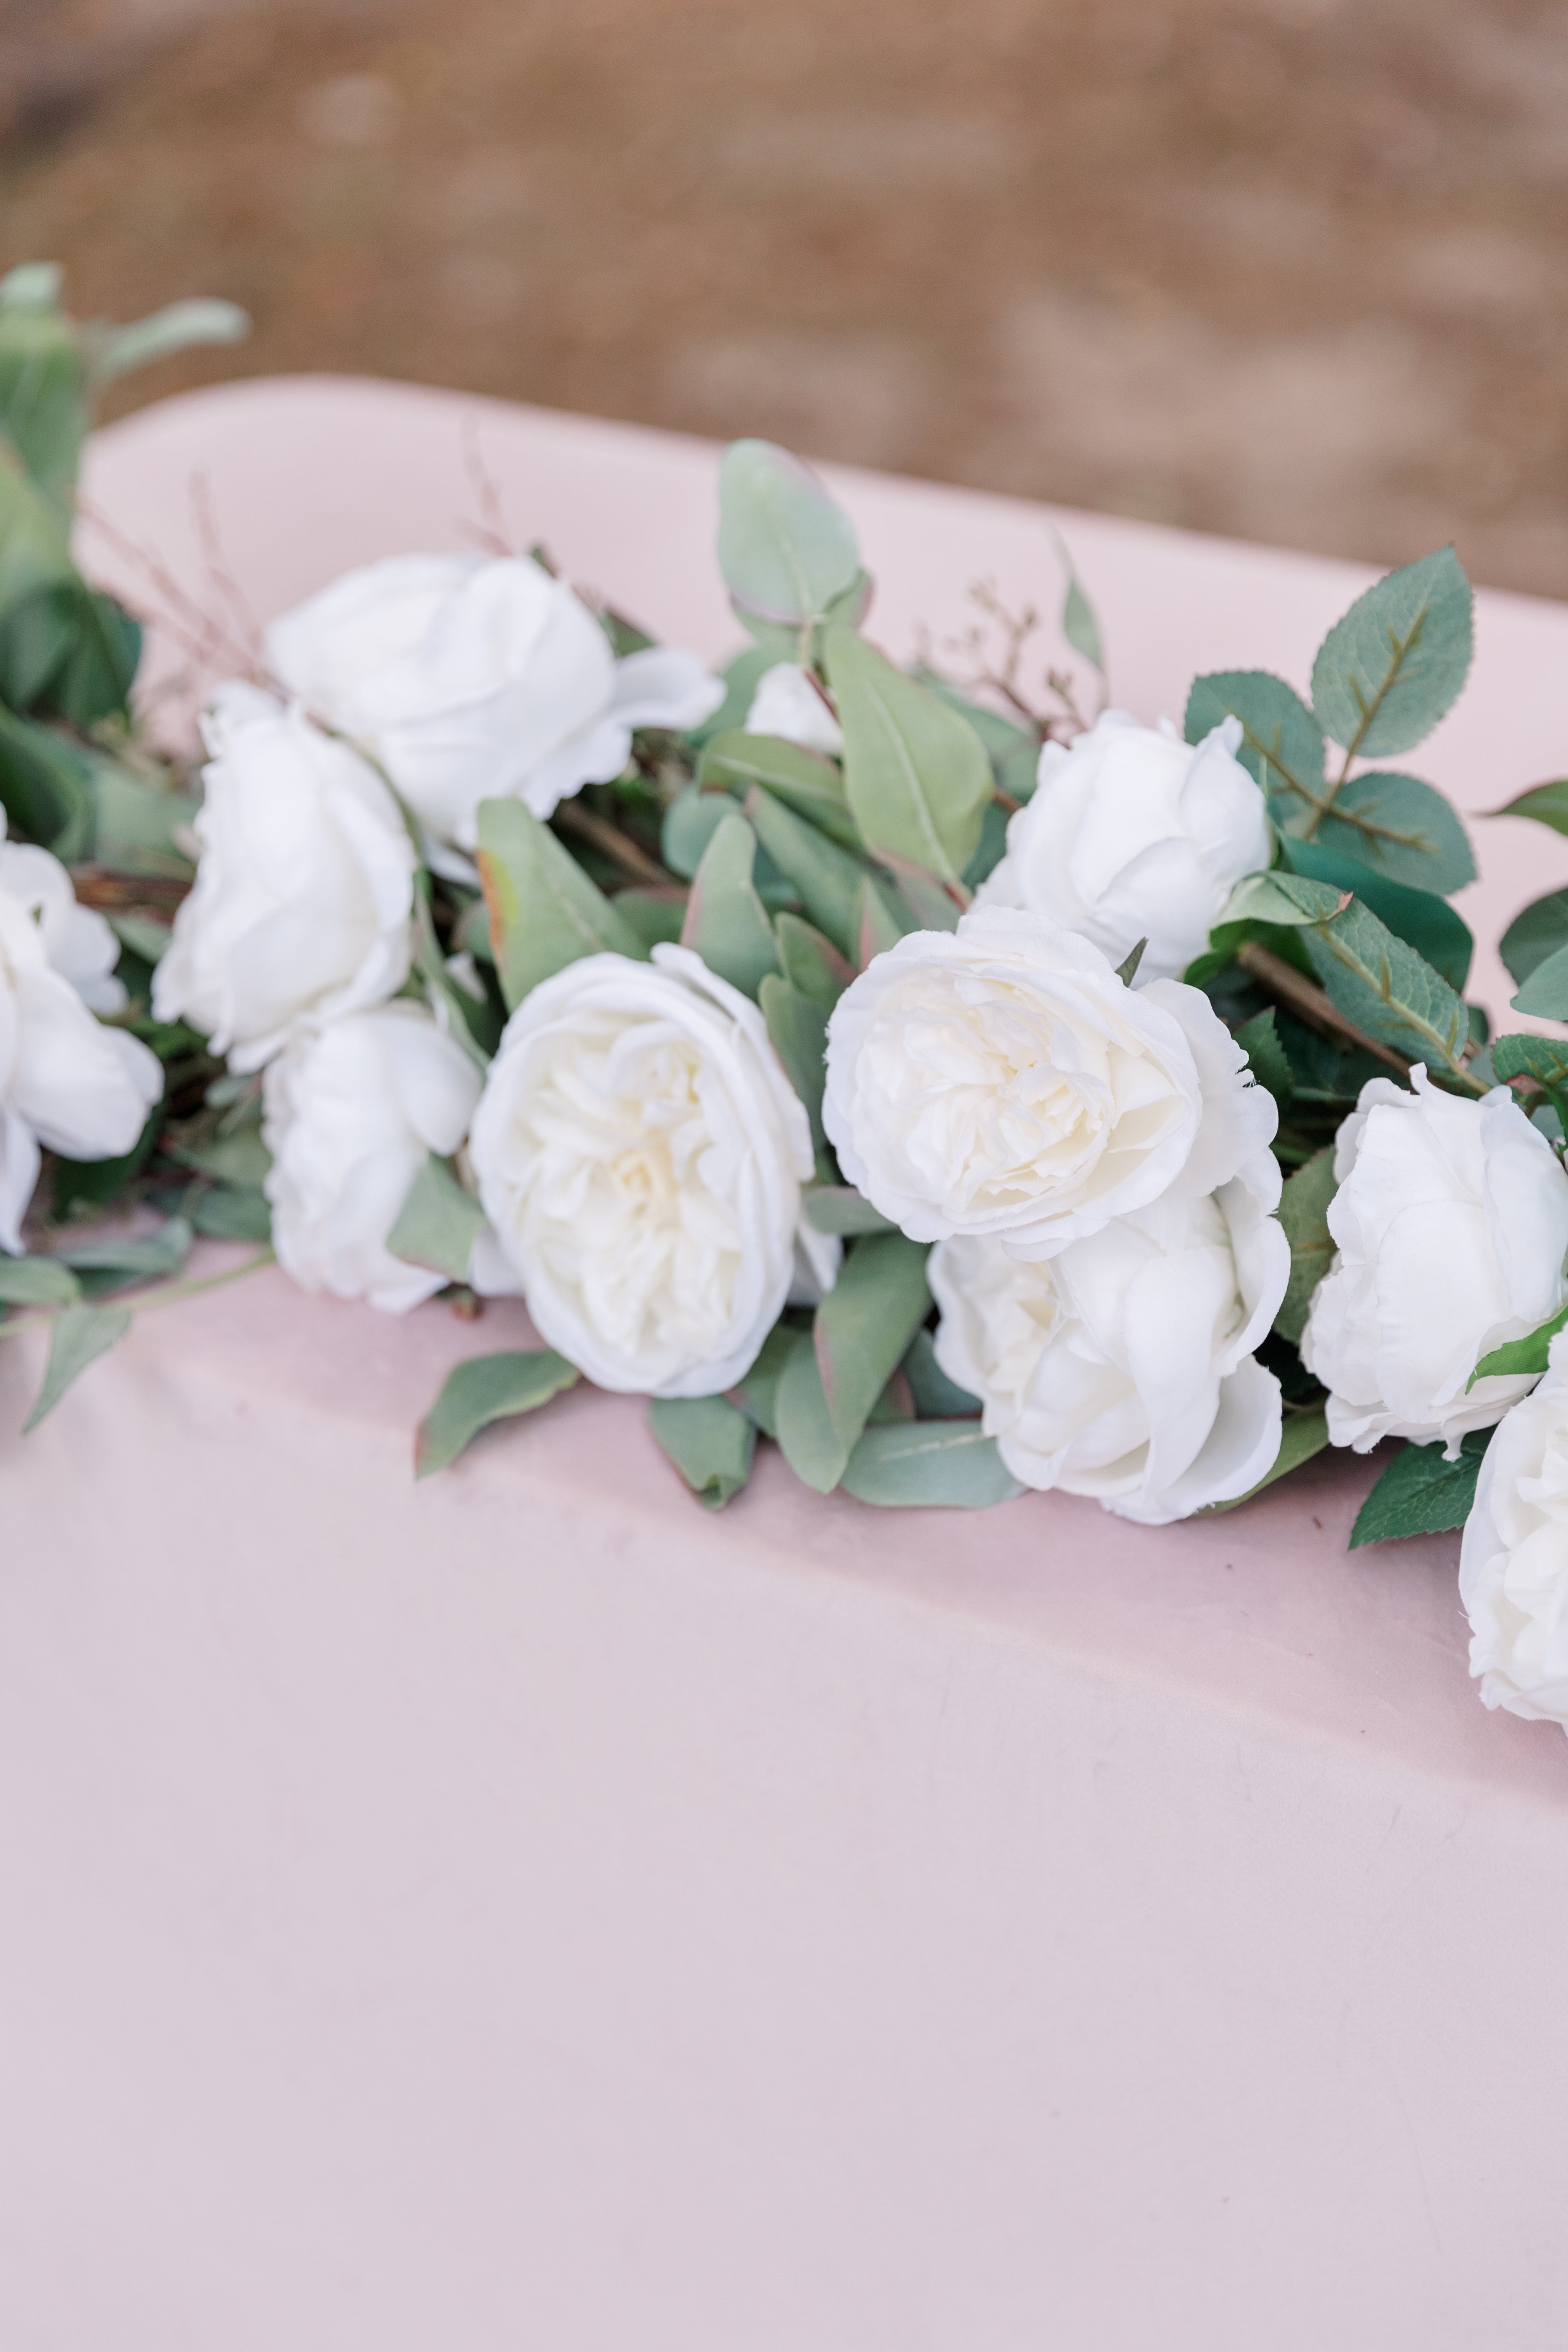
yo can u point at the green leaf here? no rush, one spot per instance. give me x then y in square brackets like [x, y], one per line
[1013, 751]
[241, 1158]
[787, 548]
[43, 396]
[1547, 803]
[1542, 1059]
[34, 637]
[1419, 1494]
[44, 787]
[757, 1394]
[865, 1324]
[929, 905]
[798, 1028]
[656, 916]
[96, 1182]
[936, 1398]
[811, 962]
[711, 1443]
[918, 778]
[826, 878]
[234, 1213]
[1127, 969]
[439, 1224]
[690, 822]
[134, 825]
[1387, 672]
[1259, 1041]
[1304, 1215]
[95, 676]
[484, 1390]
[1419, 918]
[877, 928]
[37, 1281]
[840, 1209]
[35, 535]
[1281, 742]
[726, 922]
[1375, 980]
[806, 782]
[117, 1260]
[1523, 1357]
[544, 912]
[1399, 828]
[1535, 933]
[180, 327]
[802, 1423]
[1545, 992]
[1303, 1434]
[77, 1337]
[1079, 627]
[922, 1463]
[741, 677]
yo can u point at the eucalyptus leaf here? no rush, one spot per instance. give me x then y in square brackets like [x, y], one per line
[936, 1398]
[1386, 672]
[1013, 752]
[1547, 803]
[811, 962]
[690, 822]
[787, 548]
[44, 787]
[757, 1393]
[1545, 992]
[1542, 1059]
[131, 1258]
[866, 1323]
[1384, 987]
[438, 1222]
[1419, 1494]
[544, 912]
[826, 878]
[877, 928]
[240, 1159]
[656, 916]
[77, 1337]
[234, 1213]
[1281, 742]
[1535, 933]
[812, 1446]
[36, 1282]
[917, 1463]
[918, 778]
[134, 825]
[929, 905]
[1304, 1215]
[811, 785]
[726, 923]
[840, 1209]
[711, 1443]
[1419, 918]
[742, 676]
[1400, 828]
[798, 1028]
[483, 1389]
[1079, 626]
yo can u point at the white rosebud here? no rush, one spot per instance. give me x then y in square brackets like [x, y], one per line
[1123, 1368]
[1002, 1079]
[1133, 835]
[472, 679]
[65, 1080]
[349, 1118]
[787, 704]
[304, 889]
[640, 1154]
[1514, 1560]
[1451, 1220]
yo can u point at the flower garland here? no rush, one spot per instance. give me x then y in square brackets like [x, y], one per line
[960, 1093]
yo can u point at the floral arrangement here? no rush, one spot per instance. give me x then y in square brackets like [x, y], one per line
[962, 1092]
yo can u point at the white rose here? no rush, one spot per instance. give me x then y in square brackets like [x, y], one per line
[349, 1118]
[304, 889]
[787, 704]
[1451, 1221]
[640, 1153]
[1002, 1079]
[1133, 835]
[1513, 1562]
[65, 1080]
[1122, 1368]
[473, 679]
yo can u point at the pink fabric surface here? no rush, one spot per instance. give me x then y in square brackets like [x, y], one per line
[523, 1909]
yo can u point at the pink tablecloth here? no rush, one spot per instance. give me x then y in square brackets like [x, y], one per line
[524, 1910]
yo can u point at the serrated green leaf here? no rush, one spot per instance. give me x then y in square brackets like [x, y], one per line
[1545, 992]
[936, 1398]
[726, 923]
[690, 822]
[824, 875]
[1302, 1435]
[1259, 1041]
[1280, 898]
[811, 962]
[787, 548]
[1542, 1059]
[806, 782]
[921, 1463]
[37, 1281]
[1547, 803]
[439, 1224]
[918, 778]
[1281, 742]
[487, 1389]
[711, 1443]
[1535, 933]
[1399, 828]
[544, 912]
[798, 1028]
[865, 1324]
[1419, 918]
[1304, 1213]
[234, 1213]
[77, 1337]
[840, 1209]
[1386, 672]
[1419, 1494]
[44, 787]
[1521, 1358]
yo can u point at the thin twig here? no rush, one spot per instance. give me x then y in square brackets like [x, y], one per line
[1312, 1002]
[491, 530]
[170, 1298]
[614, 844]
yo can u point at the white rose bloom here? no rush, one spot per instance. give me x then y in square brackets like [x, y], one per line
[788, 706]
[1513, 1562]
[65, 1080]
[470, 678]
[1133, 835]
[304, 887]
[1123, 1368]
[640, 1154]
[1000, 1079]
[1451, 1221]
[349, 1118]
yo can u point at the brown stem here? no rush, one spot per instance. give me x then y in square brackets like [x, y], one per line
[614, 844]
[120, 894]
[1314, 1005]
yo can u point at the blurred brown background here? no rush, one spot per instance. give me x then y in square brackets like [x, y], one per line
[1292, 269]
